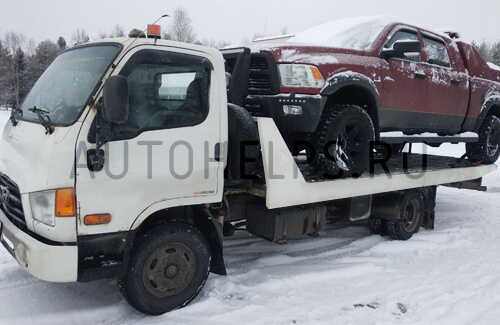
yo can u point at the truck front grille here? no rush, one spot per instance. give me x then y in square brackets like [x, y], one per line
[259, 79]
[10, 201]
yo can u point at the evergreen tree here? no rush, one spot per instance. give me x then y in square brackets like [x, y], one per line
[19, 78]
[61, 42]
[5, 86]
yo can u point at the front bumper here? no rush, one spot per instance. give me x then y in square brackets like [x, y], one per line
[47, 262]
[272, 106]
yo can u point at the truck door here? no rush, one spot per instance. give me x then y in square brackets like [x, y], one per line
[398, 98]
[165, 154]
[447, 86]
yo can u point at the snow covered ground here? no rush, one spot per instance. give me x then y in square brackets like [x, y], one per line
[450, 275]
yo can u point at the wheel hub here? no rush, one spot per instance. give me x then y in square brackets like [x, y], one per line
[169, 270]
[493, 142]
[410, 216]
[350, 144]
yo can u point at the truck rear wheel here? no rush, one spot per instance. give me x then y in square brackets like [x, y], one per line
[167, 269]
[487, 149]
[342, 141]
[411, 213]
[377, 225]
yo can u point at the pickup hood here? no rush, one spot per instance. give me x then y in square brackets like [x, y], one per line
[37, 161]
[309, 54]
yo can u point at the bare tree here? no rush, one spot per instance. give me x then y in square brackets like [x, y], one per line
[180, 29]
[80, 36]
[215, 44]
[117, 31]
[102, 35]
[14, 41]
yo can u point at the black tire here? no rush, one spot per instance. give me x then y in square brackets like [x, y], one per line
[377, 226]
[411, 213]
[346, 131]
[155, 288]
[487, 149]
[242, 131]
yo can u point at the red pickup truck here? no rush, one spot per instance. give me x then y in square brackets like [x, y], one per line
[339, 85]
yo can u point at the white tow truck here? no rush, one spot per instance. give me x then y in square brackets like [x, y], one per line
[125, 160]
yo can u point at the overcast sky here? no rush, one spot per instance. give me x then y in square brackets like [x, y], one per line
[234, 20]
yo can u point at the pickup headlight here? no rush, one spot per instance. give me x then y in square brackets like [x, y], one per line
[43, 207]
[300, 76]
[47, 205]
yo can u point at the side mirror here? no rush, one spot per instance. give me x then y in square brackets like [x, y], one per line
[115, 100]
[400, 48]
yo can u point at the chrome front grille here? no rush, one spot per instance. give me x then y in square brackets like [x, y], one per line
[10, 201]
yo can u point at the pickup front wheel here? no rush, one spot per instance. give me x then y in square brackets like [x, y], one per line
[168, 267]
[487, 149]
[342, 141]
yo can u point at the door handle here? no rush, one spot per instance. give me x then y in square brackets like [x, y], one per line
[455, 82]
[217, 151]
[420, 75]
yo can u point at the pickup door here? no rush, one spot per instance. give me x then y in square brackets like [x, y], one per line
[426, 91]
[447, 93]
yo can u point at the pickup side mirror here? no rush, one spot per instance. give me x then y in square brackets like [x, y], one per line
[401, 48]
[115, 100]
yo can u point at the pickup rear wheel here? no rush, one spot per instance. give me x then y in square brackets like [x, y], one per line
[411, 208]
[342, 141]
[487, 149]
[167, 269]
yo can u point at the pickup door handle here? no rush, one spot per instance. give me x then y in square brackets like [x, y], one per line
[420, 75]
[455, 82]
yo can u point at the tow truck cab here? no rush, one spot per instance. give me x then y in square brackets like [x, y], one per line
[62, 217]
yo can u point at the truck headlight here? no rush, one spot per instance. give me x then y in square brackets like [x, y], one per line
[300, 76]
[43, 207]
[47, 205]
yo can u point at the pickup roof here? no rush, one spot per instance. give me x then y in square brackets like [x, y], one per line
[341, 84]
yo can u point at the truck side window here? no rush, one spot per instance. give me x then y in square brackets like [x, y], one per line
[166, 90]
[436, 52]
[403, 35]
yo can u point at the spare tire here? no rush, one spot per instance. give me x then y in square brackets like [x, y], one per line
[244, 145]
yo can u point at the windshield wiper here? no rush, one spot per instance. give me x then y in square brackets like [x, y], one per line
[13, 113]
[45, 122]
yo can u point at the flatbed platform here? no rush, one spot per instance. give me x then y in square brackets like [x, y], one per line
[289, 182]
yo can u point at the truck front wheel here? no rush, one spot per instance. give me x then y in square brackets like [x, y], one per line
[167, 269]
[487, 149]
[342, 141]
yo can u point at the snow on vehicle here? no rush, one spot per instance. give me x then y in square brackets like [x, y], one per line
[339, 84]
[115, 163]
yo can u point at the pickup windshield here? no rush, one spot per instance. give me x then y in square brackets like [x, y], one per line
[352, 33]
[64, 89]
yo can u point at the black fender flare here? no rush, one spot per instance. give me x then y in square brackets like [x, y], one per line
[349, 78]
[489, 102]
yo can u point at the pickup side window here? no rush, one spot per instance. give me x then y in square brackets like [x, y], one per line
[436, 52]
[166, 90]
[404, 35]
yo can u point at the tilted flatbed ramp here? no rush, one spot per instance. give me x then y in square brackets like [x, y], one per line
[286, 185]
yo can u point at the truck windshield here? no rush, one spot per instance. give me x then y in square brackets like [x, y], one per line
[352, 33]
[64, 89]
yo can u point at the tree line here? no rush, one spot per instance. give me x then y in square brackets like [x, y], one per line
[22, 62]
[489, 51]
